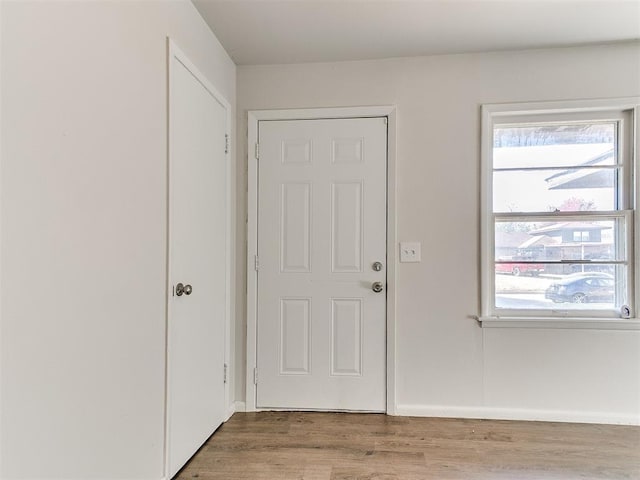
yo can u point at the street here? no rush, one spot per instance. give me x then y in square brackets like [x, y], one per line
[528, 293]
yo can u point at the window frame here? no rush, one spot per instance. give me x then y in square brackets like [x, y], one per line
[624, 110]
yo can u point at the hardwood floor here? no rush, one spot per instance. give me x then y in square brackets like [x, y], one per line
[341, 446]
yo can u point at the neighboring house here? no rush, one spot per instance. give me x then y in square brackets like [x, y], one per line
[521, 245]
[520, 248]
[575, 241]
[582, 240]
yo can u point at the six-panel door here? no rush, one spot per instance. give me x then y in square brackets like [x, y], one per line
[321, 228]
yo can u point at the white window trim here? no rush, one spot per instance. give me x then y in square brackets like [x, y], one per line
[560, 318]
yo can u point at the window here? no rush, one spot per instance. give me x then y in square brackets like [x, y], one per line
[558, 209]
[581, 236]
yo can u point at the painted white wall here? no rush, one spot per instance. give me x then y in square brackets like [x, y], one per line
[83, 250]
[446, 363]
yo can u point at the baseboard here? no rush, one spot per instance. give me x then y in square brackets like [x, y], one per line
[491, 413]
[236, 407]
[233, 408]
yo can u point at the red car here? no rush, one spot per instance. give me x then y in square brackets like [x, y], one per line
[517, 268]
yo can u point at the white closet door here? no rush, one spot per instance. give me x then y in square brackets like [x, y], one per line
[197, 261]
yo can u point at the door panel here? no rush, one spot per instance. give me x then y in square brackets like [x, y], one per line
[295, 218]
[346, 336]
[295, 340]
[197, 257]
[346, 227]
[321, 226]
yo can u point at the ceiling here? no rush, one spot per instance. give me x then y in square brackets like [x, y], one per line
[271, 31]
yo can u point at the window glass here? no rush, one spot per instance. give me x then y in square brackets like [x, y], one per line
[554, 145]
[557, 213]
[531, 290]
[560, 241]
[570, 190]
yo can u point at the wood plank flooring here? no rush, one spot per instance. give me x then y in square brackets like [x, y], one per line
[341, 446]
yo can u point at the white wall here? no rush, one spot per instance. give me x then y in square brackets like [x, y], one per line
[446, 363]
[83, 251]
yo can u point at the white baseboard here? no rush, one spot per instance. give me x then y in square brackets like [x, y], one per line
[233, 408]
[492, 413]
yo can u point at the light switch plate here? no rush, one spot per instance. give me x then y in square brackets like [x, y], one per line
[409, 252]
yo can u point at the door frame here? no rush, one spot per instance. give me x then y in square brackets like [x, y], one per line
[254, 117]
[174, 52]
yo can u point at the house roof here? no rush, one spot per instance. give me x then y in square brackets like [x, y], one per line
[537, 240]
[585, 178]
[569, 226]
[521, 240]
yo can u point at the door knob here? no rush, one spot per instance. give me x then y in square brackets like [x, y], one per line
[183, 289]
[377, 266]
[377, 287]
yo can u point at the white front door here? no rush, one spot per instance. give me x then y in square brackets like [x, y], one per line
[197, 261]
[322, 213]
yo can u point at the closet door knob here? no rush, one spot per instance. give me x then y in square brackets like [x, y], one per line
[183, 289]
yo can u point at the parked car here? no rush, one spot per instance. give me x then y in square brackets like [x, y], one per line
[582, 288]
[516, 268]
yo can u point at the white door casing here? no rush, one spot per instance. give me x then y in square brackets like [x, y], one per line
[321, 226]
[198, 246]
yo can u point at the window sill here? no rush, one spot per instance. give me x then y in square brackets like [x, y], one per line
[566, 323]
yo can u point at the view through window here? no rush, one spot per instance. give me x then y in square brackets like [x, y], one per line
[561, 214]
